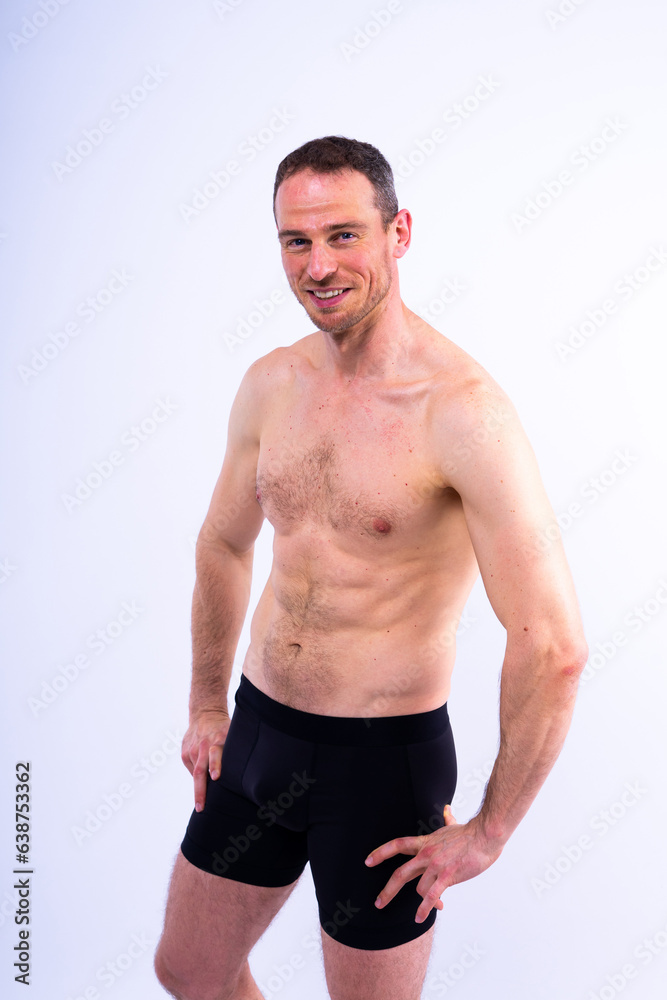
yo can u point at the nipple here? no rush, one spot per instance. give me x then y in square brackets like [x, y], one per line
[379, 524]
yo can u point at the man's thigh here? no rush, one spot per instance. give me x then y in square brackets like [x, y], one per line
[389, 974]
[211, 924]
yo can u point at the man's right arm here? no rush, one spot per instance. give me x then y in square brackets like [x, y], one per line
[222, 590]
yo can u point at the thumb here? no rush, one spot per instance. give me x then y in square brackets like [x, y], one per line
[449, 819]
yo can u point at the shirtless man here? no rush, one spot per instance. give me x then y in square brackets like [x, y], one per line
[393, 469]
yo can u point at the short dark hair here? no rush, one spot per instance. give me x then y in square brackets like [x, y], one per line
[334, 153]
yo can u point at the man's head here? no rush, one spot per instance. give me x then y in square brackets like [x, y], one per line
[340, 231]
[335, 153]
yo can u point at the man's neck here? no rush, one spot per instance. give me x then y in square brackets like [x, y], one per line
[374, 348]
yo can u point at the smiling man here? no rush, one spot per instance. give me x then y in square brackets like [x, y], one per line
[393, 470]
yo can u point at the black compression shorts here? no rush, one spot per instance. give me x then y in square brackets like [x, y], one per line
[297, 787]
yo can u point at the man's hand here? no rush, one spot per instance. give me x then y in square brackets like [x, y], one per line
[201, 750]
[452, 854]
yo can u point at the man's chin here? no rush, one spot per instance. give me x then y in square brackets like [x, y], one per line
[332, 323]
[325, 317]
[338, 319]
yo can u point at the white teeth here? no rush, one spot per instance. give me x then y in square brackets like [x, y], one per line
[329, 293]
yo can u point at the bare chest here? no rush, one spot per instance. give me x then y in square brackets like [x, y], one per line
[363, 470]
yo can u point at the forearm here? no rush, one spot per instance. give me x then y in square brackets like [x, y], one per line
[219, 605]
[537, 696]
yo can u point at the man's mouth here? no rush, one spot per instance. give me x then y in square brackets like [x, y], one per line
[330, 296]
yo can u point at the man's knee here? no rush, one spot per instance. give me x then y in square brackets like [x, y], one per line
[176, 985]
[188, 986]
[165, 976]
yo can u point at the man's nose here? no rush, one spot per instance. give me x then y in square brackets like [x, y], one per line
[322, 263]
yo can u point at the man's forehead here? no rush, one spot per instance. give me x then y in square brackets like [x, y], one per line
[310, 194]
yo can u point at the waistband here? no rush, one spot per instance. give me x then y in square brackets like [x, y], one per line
[379, 731]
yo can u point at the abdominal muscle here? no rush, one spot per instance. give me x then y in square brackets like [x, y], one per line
[336, 634]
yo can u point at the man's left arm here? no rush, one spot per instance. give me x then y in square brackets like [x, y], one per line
[517, 543]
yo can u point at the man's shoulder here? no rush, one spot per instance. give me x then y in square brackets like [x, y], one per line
[463, 391]
[473, 419]
[280, 365]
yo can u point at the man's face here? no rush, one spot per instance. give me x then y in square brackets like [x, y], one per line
[333, 241]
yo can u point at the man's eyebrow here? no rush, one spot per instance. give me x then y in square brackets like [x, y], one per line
[328, 229]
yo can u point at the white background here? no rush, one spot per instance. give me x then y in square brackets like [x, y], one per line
[543, 925]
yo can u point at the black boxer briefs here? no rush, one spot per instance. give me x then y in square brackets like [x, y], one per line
[297, 787]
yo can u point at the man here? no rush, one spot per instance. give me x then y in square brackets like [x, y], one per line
[393, 469]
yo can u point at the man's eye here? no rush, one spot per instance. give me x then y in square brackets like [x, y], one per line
[347, 236]
[298, 242]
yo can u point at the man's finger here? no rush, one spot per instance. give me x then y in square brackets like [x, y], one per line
[186, 757]
[200, 773]
[449, 819]
[214, 760]
[431, 897]
[439, 905]
[408, 871]
[401, 845]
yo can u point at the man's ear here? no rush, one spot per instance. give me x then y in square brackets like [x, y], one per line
[402, 228]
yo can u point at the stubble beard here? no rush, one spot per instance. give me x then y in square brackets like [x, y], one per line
[342, 323]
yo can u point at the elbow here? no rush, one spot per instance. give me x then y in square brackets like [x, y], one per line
[212, 540]
[569, 660]
[212, 557]
[556, 660]
[575, 657]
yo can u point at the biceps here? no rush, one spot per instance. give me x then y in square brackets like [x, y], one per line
[512, 526]
[523, 567]
[234, 515]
